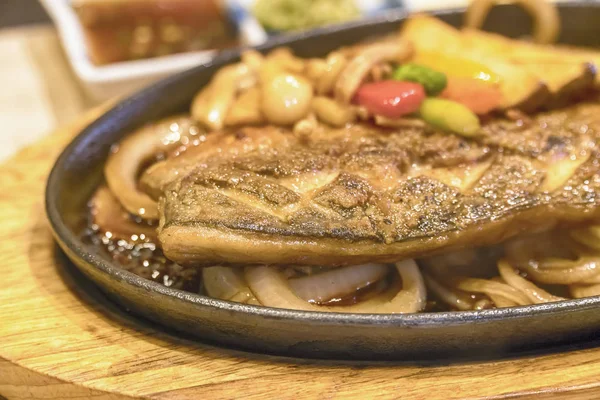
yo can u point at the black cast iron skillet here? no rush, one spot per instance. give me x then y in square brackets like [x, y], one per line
[306, 334]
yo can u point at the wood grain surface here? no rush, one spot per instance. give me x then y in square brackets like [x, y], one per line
[38, 89]
[60, 339]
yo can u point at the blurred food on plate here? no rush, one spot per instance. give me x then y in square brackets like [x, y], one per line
[121, 30]
[291, 15]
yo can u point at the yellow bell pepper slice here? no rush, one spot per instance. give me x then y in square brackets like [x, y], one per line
[456, 66]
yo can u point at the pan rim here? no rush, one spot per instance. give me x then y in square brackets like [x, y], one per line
[74, 246]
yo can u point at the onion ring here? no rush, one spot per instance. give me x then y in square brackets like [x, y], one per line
[123, 165]
[272, 290]
[545, 15]
[336, 282]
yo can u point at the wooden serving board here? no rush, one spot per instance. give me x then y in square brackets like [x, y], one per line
[61, 339]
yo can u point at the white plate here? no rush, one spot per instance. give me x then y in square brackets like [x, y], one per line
[106, 81]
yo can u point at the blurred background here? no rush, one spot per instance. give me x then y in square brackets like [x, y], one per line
[59, 58]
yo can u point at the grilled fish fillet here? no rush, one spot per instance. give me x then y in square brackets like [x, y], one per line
[364, 194]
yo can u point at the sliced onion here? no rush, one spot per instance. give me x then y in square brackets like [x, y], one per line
[489, 287]
[410, 299]
[448, 296]
[123, 165]
[111, 217]
[483, 304]
[335, 64]
[579, 291]
[357, 69]
[272, 290]
[570, 261]
[227, 284]
[563, 272]
[501, 301]
[211, 104]
[332, 112]
[543, 12]
[536, 294]
[336, 282]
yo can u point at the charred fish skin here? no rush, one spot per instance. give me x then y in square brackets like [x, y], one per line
[365, 194]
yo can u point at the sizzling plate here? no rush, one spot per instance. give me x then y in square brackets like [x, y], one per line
[305, 334]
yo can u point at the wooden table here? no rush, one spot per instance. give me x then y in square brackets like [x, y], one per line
[38, 91]
[61, 339]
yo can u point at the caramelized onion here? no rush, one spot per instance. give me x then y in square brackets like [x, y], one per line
[123, 165]
[500, 301]
[272, 290]
[111, 217]
[357, 69]
[550, 261]
[536, 295]
[336, 282]
[227, 284]
[410, 299]
[448, 296]
[490, 287]
[334, 65]
[332, 112]
[211, 104]
[563, 272]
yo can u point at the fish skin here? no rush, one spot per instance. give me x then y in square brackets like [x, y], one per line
[374, 198]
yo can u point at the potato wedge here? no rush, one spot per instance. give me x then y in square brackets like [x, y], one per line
[566, 76]
[524, 51]
[520, 87]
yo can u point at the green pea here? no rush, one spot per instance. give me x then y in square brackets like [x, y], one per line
[450, 116]
[433, 81]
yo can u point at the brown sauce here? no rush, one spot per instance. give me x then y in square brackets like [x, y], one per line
[143, 258]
